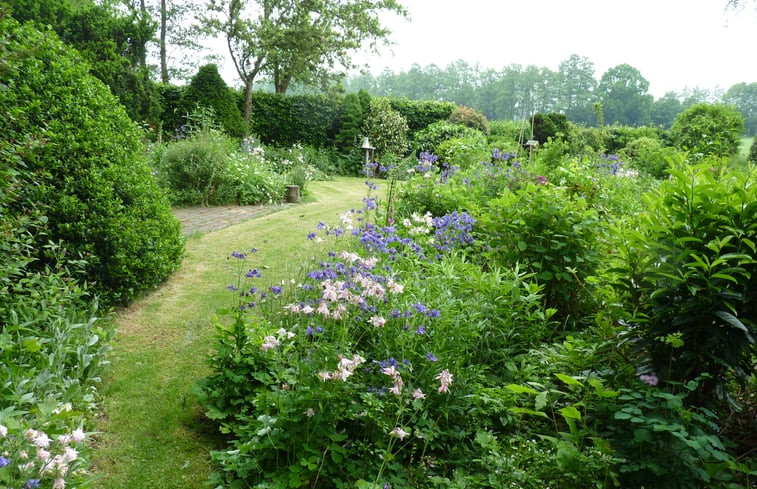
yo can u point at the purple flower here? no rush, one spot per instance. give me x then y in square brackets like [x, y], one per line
[237, 255]
[312, 236]
[309, 331]
[421, 330]
[4, 461]
[650, 379]
[275, 289]
[231, 287]
[319, 330]
[253, 273]
[31, 484]
[431, 357]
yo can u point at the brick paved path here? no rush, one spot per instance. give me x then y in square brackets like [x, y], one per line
[205, 219]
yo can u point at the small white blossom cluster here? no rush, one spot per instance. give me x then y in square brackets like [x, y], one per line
[345, 368]
[419, 225]
[44, 458]
[271, 342]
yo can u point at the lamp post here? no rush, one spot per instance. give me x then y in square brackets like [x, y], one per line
[368, 150]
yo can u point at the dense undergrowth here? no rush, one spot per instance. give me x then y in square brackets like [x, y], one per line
[510, 324]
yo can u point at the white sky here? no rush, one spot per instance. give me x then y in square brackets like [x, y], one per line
[675, 44]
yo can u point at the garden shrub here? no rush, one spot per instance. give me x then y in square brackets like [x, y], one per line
[649, 155]
[548, 232]
[171, 118]
[708, 130]
[470, 118]
[207, 90]
[463, 152]
[349, 123]
[52, 342]
[621, 136]
[195, 170]
[93, 183]
[428, 139]
[386, 128]
[550, 126]
[691, 277]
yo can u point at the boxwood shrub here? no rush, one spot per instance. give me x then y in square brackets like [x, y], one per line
[93, 184]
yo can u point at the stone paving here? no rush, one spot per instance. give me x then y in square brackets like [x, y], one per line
[205, 219]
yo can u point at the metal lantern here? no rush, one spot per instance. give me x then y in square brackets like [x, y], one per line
[368, 150]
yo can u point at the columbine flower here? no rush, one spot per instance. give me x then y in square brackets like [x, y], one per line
[308, 309]
[377, 321]
[70, 454]
[324, 376]
[270, 342]
[418, 394]
[309, 413]
[399, 433]
[323, 309]
[394, 287]
[3, 431]
[431, 357]
[41, 440]
[421, 330]
[445, 379]
[59, 483]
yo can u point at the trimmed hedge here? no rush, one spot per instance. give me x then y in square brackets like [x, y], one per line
[285, 120]
[419, 114]
[92, 181]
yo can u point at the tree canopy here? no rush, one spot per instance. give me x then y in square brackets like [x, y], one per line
[295, 39]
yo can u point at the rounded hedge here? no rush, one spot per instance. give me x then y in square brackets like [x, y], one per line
[91, 178]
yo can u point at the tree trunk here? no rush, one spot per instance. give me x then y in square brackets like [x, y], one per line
[163, 62]
[248, 100]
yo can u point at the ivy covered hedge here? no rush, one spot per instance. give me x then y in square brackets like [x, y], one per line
[90, 177]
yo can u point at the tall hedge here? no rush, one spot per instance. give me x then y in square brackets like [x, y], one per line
[419, 114]
[91, 179]
[284, 120]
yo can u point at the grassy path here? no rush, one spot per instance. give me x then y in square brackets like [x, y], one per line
[153, 434]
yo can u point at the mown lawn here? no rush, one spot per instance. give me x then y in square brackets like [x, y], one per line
[152, 432]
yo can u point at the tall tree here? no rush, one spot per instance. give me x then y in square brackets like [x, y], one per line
[744, 97]
[302, 40]
[624, 96]
[577, 87]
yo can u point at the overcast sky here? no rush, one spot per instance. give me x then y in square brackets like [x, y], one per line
[673, 43]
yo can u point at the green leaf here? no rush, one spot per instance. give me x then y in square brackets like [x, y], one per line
[522, 246]
[520, 389]
[734, 322]
[570, 412]
[568, 380]
[520, 410]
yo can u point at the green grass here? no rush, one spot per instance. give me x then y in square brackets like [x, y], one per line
[152, 432]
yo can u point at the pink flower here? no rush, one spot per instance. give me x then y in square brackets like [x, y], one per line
[394, 287]
[339, 312]
[324, 376]
[78, 435]
[270, 342]
[445, 379]
[308, 310]
[418, 394]
[323, 309]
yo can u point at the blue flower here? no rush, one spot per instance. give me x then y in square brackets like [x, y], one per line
[431, 357]
[4, 461]
[231, 287]
[309, 331]
[275, 289]
[31, 484]
[312, 235]
[421, 330]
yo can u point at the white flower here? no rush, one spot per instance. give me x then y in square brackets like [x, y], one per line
[377, 321]
[78, 435]
[3, 431]
[324, 376]
[394, 287]
[70, 454]
[323, 309]
[445, 379]
[309, 413]
[399, 433]
[418, 394]
[41, 440]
